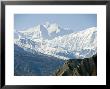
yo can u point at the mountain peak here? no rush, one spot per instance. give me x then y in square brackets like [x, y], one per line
[53, 28]
[46, 24]
[62, 44]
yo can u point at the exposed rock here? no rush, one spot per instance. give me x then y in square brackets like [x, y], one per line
[79, 67]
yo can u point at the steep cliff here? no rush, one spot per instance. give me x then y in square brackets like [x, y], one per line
[79, 67]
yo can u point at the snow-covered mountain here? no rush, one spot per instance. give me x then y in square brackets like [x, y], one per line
[52, 40]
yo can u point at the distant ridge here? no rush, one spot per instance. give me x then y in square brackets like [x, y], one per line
[55, 41]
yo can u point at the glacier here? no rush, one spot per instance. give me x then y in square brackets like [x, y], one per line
[53, 40]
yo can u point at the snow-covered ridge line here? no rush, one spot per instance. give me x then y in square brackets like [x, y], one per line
[65, 46]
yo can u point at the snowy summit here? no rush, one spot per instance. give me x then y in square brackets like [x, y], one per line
[53, 40]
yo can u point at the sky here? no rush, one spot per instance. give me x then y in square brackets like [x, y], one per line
[76, 22]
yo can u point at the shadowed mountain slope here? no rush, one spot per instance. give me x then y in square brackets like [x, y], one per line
[79, 67]
[38, 64]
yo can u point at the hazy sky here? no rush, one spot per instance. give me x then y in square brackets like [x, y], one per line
[75, 22]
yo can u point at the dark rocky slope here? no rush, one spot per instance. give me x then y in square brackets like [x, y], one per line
[79, 67]
[29, 64]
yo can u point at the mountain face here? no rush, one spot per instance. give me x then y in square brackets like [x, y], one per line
[38, 64]
[43, 49]
[52, 40]
[79, 67]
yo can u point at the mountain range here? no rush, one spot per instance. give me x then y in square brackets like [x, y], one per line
[58, 42]
[43, 49]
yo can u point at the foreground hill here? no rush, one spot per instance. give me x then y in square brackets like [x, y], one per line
[79, 67]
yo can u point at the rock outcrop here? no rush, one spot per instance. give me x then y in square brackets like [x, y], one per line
[79, 67]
